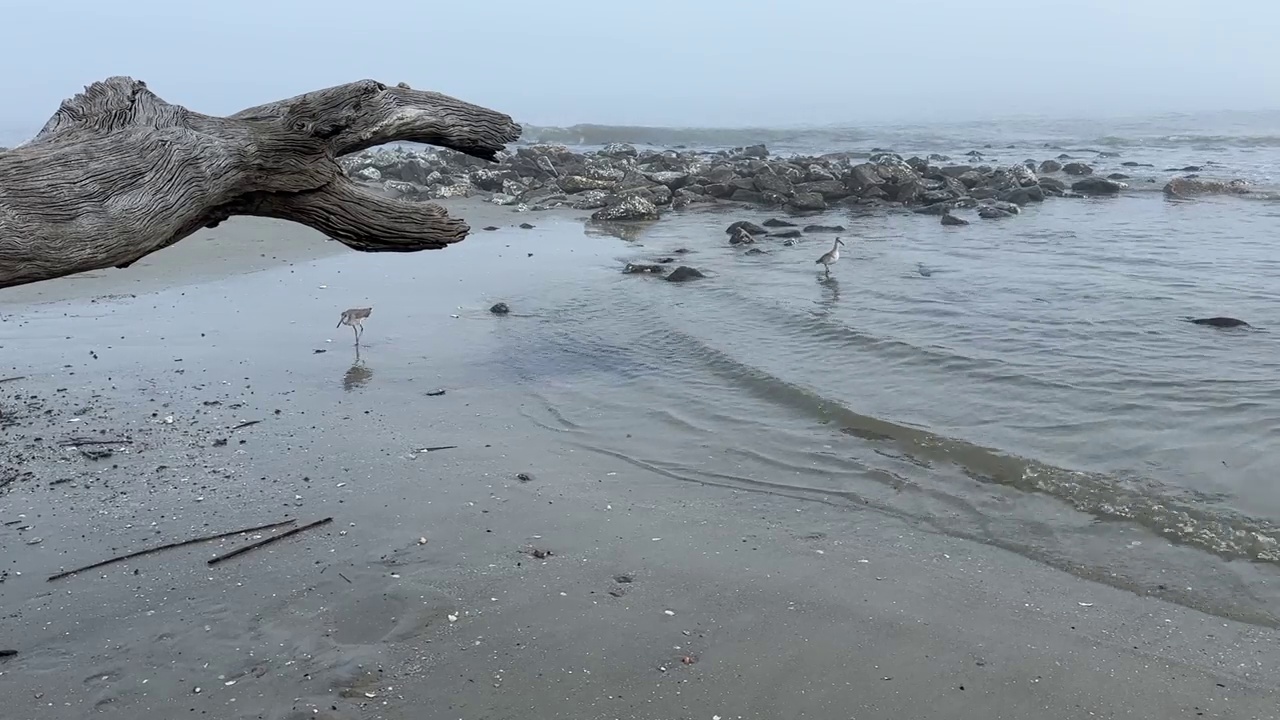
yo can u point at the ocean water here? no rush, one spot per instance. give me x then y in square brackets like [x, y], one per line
[1037, 386]
[1032, 382]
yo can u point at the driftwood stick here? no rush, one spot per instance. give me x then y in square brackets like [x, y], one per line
[12, 379]
[267, 541]
[118, 173]
[169, 546]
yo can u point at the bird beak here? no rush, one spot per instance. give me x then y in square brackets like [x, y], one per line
[339, 324]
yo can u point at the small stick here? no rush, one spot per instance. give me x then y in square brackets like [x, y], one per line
[86, 441]
[12, 379]
[438, 447]
[344, 577]
[169, 546]
[266, 541]
[246, 424]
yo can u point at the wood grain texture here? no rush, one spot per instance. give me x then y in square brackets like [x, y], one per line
[118, 173]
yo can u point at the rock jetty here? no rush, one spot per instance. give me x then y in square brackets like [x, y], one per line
[619, 183]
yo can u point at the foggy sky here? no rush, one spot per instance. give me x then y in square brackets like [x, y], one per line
[663, 62]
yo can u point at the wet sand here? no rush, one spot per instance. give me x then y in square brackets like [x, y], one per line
[659, 598]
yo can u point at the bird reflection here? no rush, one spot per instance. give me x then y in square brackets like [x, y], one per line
[831, 292]
[357, 375]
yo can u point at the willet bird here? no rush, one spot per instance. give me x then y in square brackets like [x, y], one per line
[830, 257]
[354, 317]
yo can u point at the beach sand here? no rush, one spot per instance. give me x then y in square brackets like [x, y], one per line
[448, 585]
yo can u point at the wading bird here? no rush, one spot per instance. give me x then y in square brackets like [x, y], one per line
[830, 257]
[354, 317]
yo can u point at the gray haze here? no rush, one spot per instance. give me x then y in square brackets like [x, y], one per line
[663, 62]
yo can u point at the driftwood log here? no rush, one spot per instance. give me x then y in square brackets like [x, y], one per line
[117, 173]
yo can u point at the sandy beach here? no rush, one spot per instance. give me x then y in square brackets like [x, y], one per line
[513, 572]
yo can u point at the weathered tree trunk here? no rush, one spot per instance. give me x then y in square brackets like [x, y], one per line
[117, 173]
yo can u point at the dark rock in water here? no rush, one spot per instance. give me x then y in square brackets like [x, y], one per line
[1189, 168]
[1049, 166]
[939, 208]
[1064, 156]
[823, 228]
[949, 219]
[1117, 176]
[1076, 168]
[775, 222]
[1052, 184]
[990, 212]
[955, 171]
[665, 261]
[747, 225]
[808, 201]
[684, 273]
[741, 237]
[1130, 163]
[982, 193]
[637, 268]
[788, 233]
[1221, 322]
[788, 242]
[681, 251]
[628, 209]
[924, 271]
[492, 227]
[1097, 186]
[1023, 195]
[526, 226]
[500, 309]
[1187, 187]
[753, 151]
[755, 251]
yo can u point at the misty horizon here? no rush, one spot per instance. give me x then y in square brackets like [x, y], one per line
[811, 63]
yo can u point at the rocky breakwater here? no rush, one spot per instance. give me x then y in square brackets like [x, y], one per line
[622, 184]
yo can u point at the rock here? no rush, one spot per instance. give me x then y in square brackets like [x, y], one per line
[1052, 184]
[939, 208]
[500, 309]
[752, 151]
[862, 177]
[807, 201]
[491, 227]
[577, 183]
[1097, 186]
[824, 228]
[450, 191]
[369, 174]
[1130, 163]
[684, 273]
[755, 251]
[788, 233]
[718, 190]
[971, 179]
[1076, 168]
[504, 199]
[590, 200]
[1022, 195]
[772, 199]
[830, 190]
[526, 226]
[1117, 176]
[766, 182]
[741, 237]
[1050, 166]
[747, 225]
[670, 179]
[619, 150]
[989, 212]
[635, 269]
[775, 222]
[1189, 187]
[747, 196]
[628, 209]
[955, 171]
[952, 220]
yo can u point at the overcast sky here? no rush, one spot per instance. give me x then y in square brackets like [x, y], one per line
[665, 62]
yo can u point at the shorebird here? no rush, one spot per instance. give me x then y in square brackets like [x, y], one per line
[830, 257]
[354, 317]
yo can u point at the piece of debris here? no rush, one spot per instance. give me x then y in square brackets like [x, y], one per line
[491, 228]
[524, 477]
[436, 447]
[246, 424]
[526, 226]
[12, 379]
[96, 453]
[254, 545]
[540, 553]
[500, 308]
[624, 579]
[8, 653]
[422, 541]
[688, 659]
[669, 613]
[435, 393]
[169, 546]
